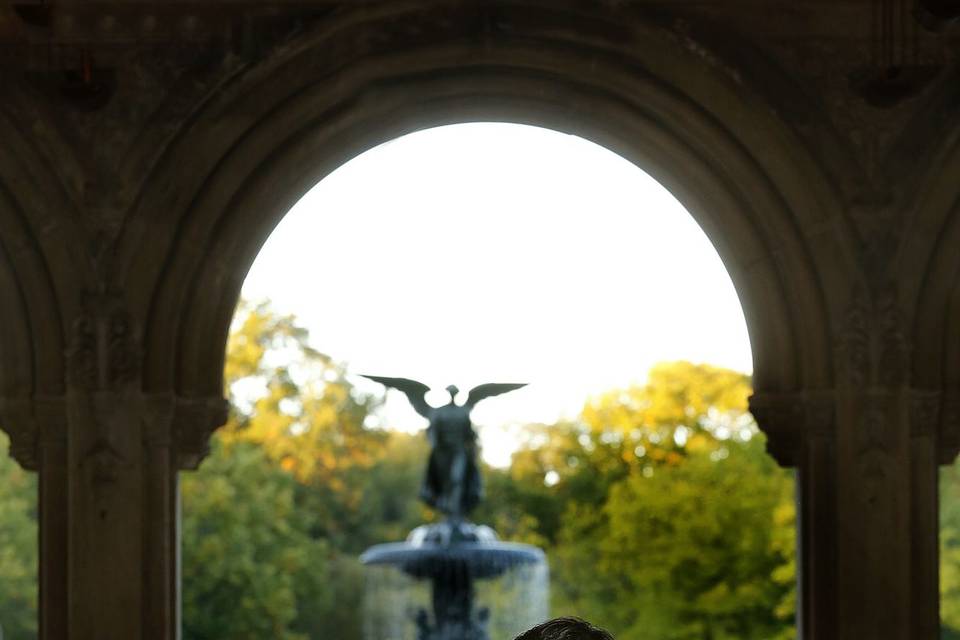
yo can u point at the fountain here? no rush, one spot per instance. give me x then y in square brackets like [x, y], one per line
[454, 558]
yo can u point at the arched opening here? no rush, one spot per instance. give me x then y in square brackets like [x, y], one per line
[712, 139]
[646, 444]
[745, 182]
[212, 152]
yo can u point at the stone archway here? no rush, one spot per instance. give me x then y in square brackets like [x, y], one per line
[146, 313]
[752, 190]
[274, 133]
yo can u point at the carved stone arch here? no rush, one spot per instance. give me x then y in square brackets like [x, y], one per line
[269, 136]
[41, 277]
[918, 166]
[929, 264]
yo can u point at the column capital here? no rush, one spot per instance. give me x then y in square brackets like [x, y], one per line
[31, 421]
[185, 422]
[194, 421]
[789, 418]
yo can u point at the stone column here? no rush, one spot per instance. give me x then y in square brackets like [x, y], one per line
[108, 456]
[38, 441]
[866, 454]
[874, 504]
[800, 431]
[111, 538]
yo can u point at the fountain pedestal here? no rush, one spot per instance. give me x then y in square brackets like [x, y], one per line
[453, 556]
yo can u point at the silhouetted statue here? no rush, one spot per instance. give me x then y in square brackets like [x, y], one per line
[452, 482]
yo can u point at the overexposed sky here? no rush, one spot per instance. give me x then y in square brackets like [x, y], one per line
[490, 252]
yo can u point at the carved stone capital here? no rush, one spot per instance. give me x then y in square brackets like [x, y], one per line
[790, 419]
[852, 344]
[194, 421]
[104, 351]
[32, 423]
[871, 346]
[183, 423]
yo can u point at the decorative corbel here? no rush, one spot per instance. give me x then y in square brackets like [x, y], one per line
[30, 423]
[195, 420]
[790, 419]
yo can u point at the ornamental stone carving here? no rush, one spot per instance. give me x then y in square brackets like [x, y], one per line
[17, 419]
[872, 345]
[853, 344]
[873, 455]
[894, 360]
[105, 461]
[105, 350]
[32, 423]
[790, 419]
[195, 420]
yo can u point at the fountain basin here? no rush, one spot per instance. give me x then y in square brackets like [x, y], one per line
[477, 560]
[461, 583]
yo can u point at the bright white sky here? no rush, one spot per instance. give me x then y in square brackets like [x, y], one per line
[500, 253]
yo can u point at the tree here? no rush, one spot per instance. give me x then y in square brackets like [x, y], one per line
[244, 540]
[703, 547]
[297, 405]
[18, 548]
[246, 548]
[389, 507]
[273, 519]
[950, 551]
[666, 519]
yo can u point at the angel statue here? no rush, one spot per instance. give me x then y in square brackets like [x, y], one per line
[452, 483]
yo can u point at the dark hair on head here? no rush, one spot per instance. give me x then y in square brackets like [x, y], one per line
[565, 629]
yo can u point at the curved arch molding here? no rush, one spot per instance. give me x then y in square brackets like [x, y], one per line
[277, 129]
[269, 132]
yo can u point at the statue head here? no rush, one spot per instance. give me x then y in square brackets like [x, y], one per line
[453, 391]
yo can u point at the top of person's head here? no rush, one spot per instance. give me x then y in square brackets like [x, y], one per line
[565, 629]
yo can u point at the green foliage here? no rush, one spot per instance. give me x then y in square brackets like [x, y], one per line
[388, 507]
[696, 545]
[246, 548]
[666, 518]
[295, 403]
[272, 518]
[18, 548]
[950, 551]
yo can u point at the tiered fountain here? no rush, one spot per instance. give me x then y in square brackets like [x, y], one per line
[455, 557]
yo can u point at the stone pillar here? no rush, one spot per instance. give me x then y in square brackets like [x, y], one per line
[927, 453]
[874, 500]
[800, 429]
[112, 538]
[38, 441]
[866, 454]
[108, 456]
[52, 506]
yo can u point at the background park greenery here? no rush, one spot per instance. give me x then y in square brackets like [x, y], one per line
[661, 514]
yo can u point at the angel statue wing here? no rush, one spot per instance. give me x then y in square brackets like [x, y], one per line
[415, 391]
[490, 389]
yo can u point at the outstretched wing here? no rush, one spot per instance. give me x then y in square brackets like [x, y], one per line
[490, 389]
[415, 391]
